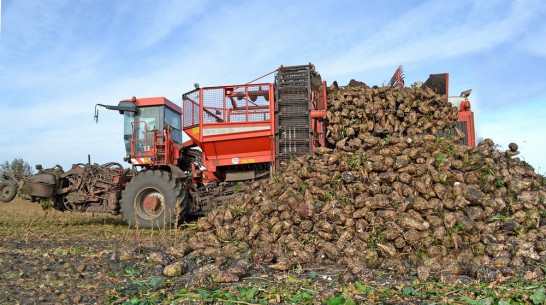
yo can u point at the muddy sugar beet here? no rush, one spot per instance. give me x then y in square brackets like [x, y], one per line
[389, 193]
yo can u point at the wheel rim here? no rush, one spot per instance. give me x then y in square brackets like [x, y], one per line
[5, 191]
[150, 203]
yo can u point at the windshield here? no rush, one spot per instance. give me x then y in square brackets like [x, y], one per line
[146, 119]
[174, 120]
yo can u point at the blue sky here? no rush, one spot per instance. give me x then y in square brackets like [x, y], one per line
[59, 58]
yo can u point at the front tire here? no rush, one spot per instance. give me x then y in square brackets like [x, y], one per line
[154, 199]
[8, 190]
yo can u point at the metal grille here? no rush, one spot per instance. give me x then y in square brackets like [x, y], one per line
[293, 89]
[191, 109]
[213, 106]
[453, 133]
[245, 103]
[259, 97]
[438, 83]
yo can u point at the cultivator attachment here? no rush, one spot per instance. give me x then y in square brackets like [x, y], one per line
[84, 188]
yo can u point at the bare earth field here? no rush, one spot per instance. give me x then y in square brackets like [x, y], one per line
[71, 258]
[57, 257]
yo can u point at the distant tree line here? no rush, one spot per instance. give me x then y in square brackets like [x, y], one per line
[18, 166]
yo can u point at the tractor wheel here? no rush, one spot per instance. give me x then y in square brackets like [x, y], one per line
[8, 190]
[153, 199]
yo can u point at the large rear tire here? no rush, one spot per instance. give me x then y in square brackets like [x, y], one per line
[8, 190]
[154, 199]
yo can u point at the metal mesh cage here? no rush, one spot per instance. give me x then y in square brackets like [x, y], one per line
[248, 103]
[245, 103]
[190, 104]
[213, 106]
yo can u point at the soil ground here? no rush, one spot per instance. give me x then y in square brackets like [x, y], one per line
[57, 257]
[71, 258]
[54, 257]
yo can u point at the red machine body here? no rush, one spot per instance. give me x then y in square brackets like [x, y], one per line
[465, 116]
[465, 119]
[237, 133]
[232, 125]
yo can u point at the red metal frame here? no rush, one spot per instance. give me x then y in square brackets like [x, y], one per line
[151, 156]
[235, 125]
[228, 142]
[399, 76]
[467, 115]
[318, 114]
[447, 85]
[154, 101]
[133, 140]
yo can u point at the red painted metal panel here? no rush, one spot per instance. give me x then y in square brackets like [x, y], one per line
[468, 117]
[234, 123]
[234, 147]
[155, 101]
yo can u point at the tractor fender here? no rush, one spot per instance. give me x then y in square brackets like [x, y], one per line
[176, 172]
[43, 178]
[40, 185]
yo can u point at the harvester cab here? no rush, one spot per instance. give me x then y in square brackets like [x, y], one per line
[151, 127]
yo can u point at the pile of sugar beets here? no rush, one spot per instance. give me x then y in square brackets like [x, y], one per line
[389, 194]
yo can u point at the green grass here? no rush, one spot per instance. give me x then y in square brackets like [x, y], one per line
[311, 291]
[439, 157]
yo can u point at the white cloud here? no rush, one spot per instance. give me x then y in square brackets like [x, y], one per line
[423, 34]
[154, 22]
